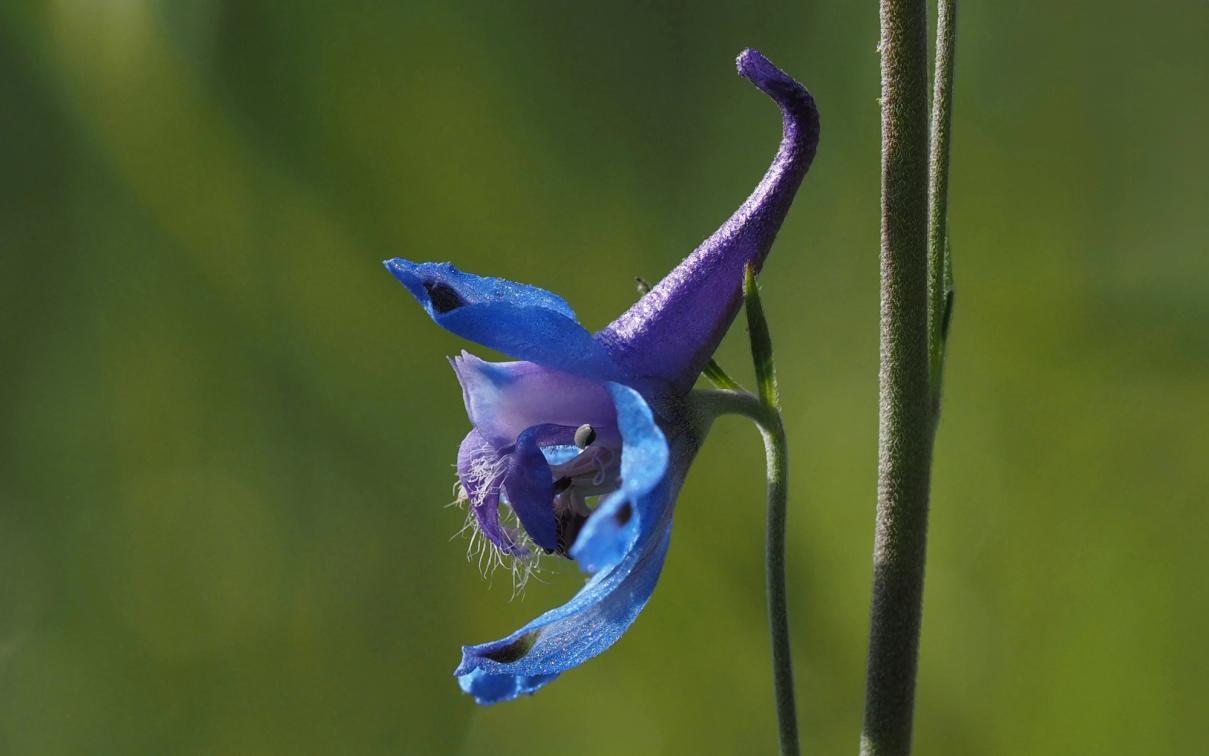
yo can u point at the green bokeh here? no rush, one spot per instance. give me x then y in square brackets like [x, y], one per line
[226, 433]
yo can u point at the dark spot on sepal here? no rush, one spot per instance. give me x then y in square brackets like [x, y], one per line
[514, 651]
[443, 297]
[623, 514]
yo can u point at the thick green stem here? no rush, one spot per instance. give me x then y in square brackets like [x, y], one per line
[939, 290]
[905, 418]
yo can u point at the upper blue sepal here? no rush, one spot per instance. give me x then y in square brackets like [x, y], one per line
[523, 321]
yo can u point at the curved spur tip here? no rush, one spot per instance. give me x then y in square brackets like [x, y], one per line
[759, 70]
[795, 101]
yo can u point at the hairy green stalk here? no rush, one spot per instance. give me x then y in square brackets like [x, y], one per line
[905, 416]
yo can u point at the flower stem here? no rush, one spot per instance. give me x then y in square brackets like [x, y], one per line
[707, 405]
[940, 286]
[765, 411]
[905, 417]
[776, 453]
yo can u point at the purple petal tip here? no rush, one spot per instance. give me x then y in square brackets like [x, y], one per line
[753, 65]
[775, 83]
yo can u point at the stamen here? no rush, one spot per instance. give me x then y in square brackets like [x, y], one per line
[596, 464]
[584, 436]
[601, 460]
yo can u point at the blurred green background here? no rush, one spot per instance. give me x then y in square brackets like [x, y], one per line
[226, 433]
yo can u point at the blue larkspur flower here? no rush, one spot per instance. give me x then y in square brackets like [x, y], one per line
[603, 417]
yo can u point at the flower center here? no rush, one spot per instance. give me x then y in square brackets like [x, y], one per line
[596, 470]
